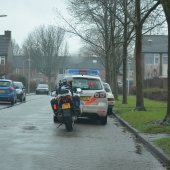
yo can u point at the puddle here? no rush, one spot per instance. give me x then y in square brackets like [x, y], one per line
[29, 127]
[138, 146]
[124, 129]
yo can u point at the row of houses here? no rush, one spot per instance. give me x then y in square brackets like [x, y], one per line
[154, 52]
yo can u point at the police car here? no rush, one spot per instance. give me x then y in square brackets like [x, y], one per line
[93, 95]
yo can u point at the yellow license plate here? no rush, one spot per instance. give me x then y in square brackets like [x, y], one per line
[66, 106]
[85, 98]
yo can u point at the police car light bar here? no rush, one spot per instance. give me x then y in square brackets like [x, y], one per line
[93, 72]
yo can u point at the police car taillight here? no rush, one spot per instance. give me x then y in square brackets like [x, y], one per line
[100, 95]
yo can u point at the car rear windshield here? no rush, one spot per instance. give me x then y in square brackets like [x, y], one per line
[43, 86]
[18, 85]
[87, 84]
[5, 83]
[107, 88]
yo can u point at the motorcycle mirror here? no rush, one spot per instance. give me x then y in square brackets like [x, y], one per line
[79, 90]
[53, 93]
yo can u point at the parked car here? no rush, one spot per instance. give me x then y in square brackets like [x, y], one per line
[7, 91]
[110, 98]
[20, 90]
[93, 96]
[42, 89]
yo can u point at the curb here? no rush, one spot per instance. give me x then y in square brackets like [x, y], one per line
[157, 152]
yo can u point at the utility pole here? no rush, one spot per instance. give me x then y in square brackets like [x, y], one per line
[29, 76]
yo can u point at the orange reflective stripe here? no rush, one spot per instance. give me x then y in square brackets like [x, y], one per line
[90, 101]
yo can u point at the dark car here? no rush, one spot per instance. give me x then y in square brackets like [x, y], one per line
[7, 91]
[20, 91]
[42, 89]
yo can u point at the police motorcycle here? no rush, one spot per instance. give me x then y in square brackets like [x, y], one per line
[66, 104]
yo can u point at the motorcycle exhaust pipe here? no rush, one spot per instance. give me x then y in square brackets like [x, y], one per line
[60, 116]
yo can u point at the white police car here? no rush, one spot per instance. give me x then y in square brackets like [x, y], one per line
[93, 96]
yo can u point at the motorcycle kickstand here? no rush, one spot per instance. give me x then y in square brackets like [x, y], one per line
[73, 123]
[59, 125]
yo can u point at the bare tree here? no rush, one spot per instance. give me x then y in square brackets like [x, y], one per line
[102, 32]
[16, 49]
[103, 21]
[43, 46]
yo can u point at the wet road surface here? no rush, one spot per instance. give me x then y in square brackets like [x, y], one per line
[30, 141]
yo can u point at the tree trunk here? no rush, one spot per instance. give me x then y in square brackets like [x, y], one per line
[166, 8]
[124, 99]
[138, 57]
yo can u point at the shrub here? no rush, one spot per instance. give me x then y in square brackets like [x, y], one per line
[155, 94]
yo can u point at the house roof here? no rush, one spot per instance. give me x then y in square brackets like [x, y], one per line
[5, 43]
[155, 44]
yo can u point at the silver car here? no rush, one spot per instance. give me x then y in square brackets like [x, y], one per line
[93, 97]
[110, 98]
[42, 89]
[20, 90]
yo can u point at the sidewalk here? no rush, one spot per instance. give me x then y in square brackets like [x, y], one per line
[147, 139]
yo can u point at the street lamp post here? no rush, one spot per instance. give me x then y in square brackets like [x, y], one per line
[3, 15]
[28, 66]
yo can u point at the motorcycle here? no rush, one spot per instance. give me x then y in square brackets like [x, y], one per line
[66, 105]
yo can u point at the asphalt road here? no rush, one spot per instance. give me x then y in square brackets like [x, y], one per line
[29, 140]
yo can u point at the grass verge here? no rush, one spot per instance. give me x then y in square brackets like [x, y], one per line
[164, 144]
[146, 121]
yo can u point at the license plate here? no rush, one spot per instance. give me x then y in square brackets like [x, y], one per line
[1, 91]
[66, 106]
[85, 98]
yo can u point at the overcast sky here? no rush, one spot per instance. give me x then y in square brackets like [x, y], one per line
[23, 16]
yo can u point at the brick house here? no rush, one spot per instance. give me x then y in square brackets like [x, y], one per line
[155, 56]
[6, 55]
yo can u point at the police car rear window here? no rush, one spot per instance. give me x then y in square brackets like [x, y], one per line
[87, 83]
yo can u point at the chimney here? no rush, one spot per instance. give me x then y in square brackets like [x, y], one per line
[8, 34]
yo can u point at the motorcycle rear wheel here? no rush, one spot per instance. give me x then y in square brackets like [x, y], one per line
[68, 123]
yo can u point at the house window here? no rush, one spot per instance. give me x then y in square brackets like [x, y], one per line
[156, 58]
[149, 59]
[164, 59]
[2, 60]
